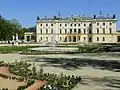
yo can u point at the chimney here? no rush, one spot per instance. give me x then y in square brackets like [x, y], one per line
[114, 16]
[55, 17]
[38, 18]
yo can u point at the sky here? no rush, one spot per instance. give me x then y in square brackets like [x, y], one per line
[26, 11]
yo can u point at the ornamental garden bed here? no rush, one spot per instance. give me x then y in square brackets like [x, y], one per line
[53, 81]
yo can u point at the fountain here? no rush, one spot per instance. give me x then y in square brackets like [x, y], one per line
[53, 48]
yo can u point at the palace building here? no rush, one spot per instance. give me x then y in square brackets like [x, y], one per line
[98, 29]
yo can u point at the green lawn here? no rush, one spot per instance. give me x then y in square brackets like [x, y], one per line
[11, 49]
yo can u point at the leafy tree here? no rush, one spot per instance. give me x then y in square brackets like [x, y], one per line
[16, 24]
[21, 33]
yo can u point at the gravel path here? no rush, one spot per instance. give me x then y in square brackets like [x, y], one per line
[92, 78]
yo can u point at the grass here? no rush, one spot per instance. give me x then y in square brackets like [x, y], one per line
[24, 49]
[11, 49]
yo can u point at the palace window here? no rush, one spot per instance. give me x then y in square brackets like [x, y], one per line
[71, 25]
[65, 25]
[84, 38]
[103, 24]
[60, 39]
[41, 31]
[60, 25]
[97, 38]
[51, 24]
[90, 31]
[84, 31]
[70, 31]
[46, 38]
[65, 31]
[46, 24]
[40, 24]
[110, 30]
[51, 31]
[97, 24]
[78, 24]
[90, 39]
[69, 38]
[84, 24]
[74, 30]
[97, 31]
[110, 23]
[40, 38]
[103, 38]
[90, 24]
[79, 30]
[46, 31]
[60, 31]
[74, 24]
[78, 37]
[103, 30]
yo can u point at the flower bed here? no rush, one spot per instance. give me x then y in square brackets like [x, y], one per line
[53, 81]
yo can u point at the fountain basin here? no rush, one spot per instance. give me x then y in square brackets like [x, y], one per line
[57, 49]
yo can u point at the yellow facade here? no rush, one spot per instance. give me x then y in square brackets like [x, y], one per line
[77, 30]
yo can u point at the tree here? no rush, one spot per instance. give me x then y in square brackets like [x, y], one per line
[21, 33]
[16, 24]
